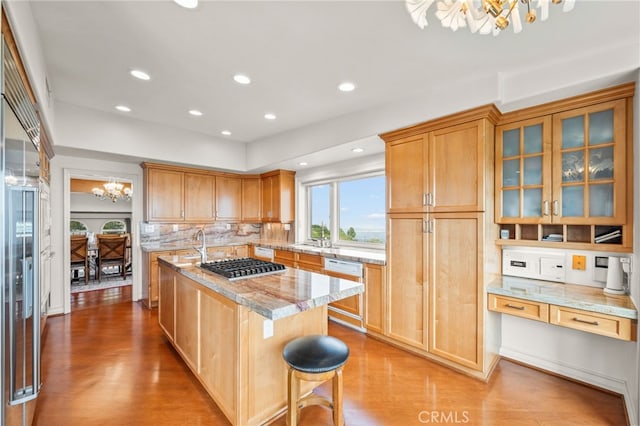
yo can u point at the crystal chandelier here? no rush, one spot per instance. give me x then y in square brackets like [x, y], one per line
[113, 191]
[482, 16]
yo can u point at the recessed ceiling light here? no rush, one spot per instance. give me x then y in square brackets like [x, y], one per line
[141, 75]
[242, 79]
[302, 163]
[357, 150]
[346, 86]
[226, 132]
[189, 4]
[195, 112]
[270, 116]
[123, 108]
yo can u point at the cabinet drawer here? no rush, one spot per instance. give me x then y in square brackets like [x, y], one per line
[592, 322]
[519, 307]
[309, 259]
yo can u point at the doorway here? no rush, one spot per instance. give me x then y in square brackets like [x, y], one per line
[91, 214]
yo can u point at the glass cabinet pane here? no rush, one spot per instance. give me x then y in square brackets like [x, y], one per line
[601, 163]
[511, 172]
[573, 201]
[533, 170]
[601, 127]
[511, 143]
[573, 166]
[532, 202]
[511, 203]
[573, 132]
[533, 139]
[601, 200]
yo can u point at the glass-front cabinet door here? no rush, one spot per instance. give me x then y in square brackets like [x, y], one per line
[589, 172]
[523, 172]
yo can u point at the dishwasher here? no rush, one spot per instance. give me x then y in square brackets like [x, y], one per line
[348, 311]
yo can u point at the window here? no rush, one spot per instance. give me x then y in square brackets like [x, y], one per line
[77, 228]
[348, 211]
[114, 227]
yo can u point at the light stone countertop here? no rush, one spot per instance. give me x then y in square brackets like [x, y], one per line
[273, 296]
[377, 257]
[590, 299]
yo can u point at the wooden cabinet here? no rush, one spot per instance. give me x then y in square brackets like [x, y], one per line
[278, 196]
[228, 198]
[439, 177]
[227, 251]
[166, 305]
[178, 194]
[578, 319]
[456, 300]
[407, 277]
[251, 199]
[224, 345]
[563, 170]
[164, 195]
[374, 299]
[285, 257]
[150, 278]
[199, 197]
[438, 171]
[518, 307]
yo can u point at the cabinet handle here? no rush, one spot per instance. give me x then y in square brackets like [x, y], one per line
[430, 230]
[546, 208]
[555, 208]
[424, 199]
[576, 319]
[424, 226]
[509, 305]
[181, 213]
[430, 199]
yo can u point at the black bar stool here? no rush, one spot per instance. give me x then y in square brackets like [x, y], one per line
[315, 358]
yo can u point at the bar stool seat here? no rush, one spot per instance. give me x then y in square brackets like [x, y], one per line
[315, 358]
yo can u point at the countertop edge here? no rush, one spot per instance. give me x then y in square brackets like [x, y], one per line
[619, 311]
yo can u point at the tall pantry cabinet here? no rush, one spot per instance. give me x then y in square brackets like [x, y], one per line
[441, 247]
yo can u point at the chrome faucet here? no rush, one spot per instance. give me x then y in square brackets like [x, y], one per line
[202, 249]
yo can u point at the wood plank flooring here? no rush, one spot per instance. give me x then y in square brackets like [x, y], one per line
[111, 365]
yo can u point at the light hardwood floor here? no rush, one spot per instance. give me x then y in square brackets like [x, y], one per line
[111, 365]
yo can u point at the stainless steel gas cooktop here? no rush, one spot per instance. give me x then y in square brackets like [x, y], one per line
[235, 269]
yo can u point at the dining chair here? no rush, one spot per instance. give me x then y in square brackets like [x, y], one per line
[80, 255]
[112, 252]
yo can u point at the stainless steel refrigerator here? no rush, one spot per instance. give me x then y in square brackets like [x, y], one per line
[20, 297]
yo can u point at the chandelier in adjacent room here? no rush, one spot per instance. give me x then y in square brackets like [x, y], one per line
[483, 16]
[114, 191]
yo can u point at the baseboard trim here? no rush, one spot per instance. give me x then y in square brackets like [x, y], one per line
[587, 377]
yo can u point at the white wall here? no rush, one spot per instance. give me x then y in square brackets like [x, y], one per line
[63, 168]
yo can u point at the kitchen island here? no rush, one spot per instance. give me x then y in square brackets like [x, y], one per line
[231, 333]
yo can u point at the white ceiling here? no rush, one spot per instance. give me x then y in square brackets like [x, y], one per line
[296, 53]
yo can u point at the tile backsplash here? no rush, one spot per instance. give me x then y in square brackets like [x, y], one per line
[218, 234]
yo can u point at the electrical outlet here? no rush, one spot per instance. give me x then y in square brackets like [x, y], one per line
[175, 228]
[579, 262]
[228, 226]
[287, 226]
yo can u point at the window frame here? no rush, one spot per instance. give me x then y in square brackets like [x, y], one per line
[123, 231]
[78, 232]
[334, 209]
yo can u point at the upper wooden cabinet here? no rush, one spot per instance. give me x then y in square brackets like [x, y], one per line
[199, 197]
[251, 199]
[567, 167]
[278, 196]
[228, 198]
[164, 195]
[439, 169]
[563, 171]
[177, 194]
